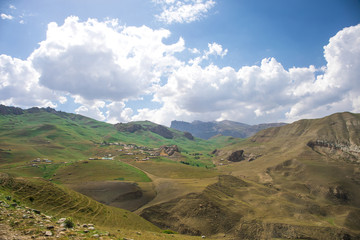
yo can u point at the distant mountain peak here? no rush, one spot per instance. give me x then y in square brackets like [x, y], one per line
[207, 130]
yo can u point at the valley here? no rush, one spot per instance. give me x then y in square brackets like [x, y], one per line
[297, 181]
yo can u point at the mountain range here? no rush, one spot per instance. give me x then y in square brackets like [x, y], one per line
[141, 180]
[207, 130]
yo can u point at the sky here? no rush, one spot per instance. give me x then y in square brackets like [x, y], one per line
[250, 61]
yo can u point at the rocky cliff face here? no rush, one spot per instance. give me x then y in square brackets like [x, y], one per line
[206, 130]
[338, 150]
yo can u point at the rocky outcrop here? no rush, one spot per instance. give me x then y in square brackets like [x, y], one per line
[162, 131]
[168, 150]
[344, 150]
[131, 128]
[188, 136]
[134, 127]
[4, 110]
[237, 156]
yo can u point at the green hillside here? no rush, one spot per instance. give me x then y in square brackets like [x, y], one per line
[65, 137]
[298, 181]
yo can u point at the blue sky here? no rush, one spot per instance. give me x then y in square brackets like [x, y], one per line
[251, 61]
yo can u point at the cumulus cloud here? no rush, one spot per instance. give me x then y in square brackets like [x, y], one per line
[267, 92]
[6, 16]
[19, 85]
[102, 60]
[117, 112]
[339, 87]
[223, 93]
[102, 66]
[215, 49]
[184, 11]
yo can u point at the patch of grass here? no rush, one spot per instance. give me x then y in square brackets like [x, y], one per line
[100, 170]
[170, 169]
[169, 231]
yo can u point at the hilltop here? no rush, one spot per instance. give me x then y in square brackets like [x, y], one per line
[207, 130]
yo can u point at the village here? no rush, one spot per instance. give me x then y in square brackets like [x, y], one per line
[120, 151]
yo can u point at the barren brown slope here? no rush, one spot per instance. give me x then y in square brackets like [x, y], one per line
[304, 182]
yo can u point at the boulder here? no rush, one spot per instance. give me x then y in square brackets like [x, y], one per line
[237, 156]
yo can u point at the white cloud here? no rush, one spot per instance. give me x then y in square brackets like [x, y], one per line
[117, 112]
[103, 66]
[267, 92]
[184, 11]
[6, 16]
[12, 7]
[215, 49]
[102, 60]
[337, 89]
[90, 108]
[19, 85]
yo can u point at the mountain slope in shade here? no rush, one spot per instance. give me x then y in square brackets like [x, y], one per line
[206, 130]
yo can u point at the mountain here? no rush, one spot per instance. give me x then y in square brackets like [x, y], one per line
[47, 133]
[207, 130]
[141, 180]
[298, 181]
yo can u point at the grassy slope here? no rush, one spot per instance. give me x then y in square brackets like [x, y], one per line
[70, 137]
[69, 140]
[62, 202]
[301, 177]
[57, 202]
[289, 183]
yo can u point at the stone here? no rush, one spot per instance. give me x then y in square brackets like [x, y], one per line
[48, 233]
[36, 211]
[61, 220]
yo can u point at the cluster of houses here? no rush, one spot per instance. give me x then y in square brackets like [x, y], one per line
[39, 160]
[127, 149]
[107, 157]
